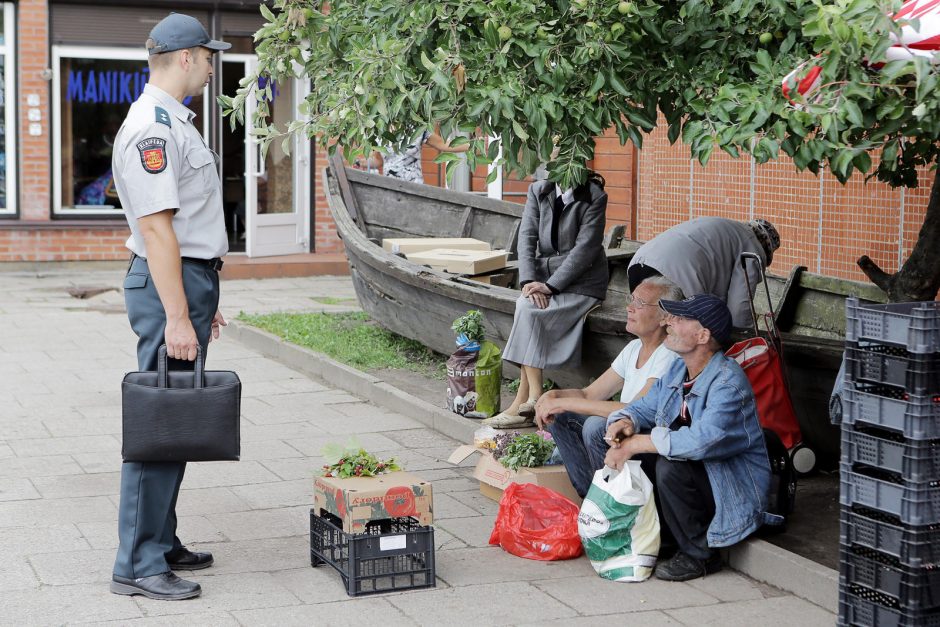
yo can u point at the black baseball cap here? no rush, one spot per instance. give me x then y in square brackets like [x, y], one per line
[177, 31]
[710, 311]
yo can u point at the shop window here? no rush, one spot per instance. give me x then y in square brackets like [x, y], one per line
[7, 112]
[94, 90]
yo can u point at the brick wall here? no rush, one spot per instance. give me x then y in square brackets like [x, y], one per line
[48, 243]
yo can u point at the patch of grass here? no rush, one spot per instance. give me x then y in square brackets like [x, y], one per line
[351, 338]
[332, 300]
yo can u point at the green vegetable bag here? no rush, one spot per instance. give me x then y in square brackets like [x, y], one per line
[473, 380]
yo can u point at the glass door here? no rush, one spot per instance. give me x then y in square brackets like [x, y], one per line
[273, 209]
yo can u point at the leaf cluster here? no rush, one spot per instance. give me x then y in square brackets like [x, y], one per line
[353, 461]
[470, 325]
[527, 450]
[527, 82]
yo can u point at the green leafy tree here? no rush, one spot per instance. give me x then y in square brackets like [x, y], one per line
[536, 75]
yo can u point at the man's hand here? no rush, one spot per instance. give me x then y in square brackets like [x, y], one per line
[546, 408]
[217, 323]
[180, 339]
[617, 457]
[619, 431]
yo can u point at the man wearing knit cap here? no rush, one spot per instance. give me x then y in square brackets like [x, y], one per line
[697, 436]
[702, 256]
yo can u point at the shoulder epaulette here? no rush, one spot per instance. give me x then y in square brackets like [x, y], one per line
[162, 116]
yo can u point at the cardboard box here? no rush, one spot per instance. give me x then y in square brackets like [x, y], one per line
[461, 261]
[408, 245]
[500, 279]
[358, 500]
[494, 477]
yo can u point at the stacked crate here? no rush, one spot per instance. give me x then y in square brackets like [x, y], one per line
[890, 489]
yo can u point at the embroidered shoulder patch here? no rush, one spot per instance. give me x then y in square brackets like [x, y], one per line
[162, 116]
[152, 154]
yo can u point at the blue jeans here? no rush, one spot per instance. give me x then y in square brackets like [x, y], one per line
[580, 439]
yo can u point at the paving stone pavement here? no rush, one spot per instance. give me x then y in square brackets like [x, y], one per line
[61, 360]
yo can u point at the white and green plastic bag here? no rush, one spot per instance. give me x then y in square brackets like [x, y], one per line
[619, 525]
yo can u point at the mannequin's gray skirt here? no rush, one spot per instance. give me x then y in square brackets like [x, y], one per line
[548, 338]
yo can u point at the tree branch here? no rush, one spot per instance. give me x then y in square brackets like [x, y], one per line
[875, 274]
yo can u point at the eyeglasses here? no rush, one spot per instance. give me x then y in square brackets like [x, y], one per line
[639, 303]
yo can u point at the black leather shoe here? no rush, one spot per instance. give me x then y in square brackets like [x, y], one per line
[684, 567]
[184, 559]
[165, 587]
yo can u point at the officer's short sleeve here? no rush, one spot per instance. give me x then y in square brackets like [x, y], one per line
[149, 168]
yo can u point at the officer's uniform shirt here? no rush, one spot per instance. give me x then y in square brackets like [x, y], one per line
[160, 161]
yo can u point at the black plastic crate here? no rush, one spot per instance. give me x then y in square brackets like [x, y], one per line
[903, 588]
[392, 555]
[913, 502]
[915, 416]
[861, 607]
[915, 326]
[913, 547]
[912, 460]
[893, 365]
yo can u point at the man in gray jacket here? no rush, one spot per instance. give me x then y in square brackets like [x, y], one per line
[702, 256]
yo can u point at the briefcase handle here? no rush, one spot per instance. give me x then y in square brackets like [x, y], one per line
[199, 377]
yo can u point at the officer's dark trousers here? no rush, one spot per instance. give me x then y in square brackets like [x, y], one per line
[685, 502]
[147, 513]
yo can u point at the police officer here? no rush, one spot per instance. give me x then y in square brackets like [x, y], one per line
[169, 187]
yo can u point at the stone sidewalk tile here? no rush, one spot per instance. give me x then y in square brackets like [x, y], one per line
[646, 619]
[295, 468]
[74, 567]
[197, 619]
[271, 555]
[104, 534]
[15, 489]
[446, 506]
[590, 595]
[70, 427]
[263, 450]
[474, 566]
[473, 499]
[17, 425]
[265, 523]
[276, 494]
[16, 574]
[474, 531]
[352, 425]
[728, 585]
[202, 501]
[372, 442]
[236, 591]
[102, 461]
[57, 605]
[288, 431]
[787, 611]
[100, 484]
[49, 513]
[47, 539]
[220, 474]
[65, 446]
[505, 603]
[44, 466]
[365, 611]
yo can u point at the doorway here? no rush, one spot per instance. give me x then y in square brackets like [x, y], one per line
[266, 200]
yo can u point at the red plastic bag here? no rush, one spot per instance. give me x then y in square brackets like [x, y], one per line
[537, 523]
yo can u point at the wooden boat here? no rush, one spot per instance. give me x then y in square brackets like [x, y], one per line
[421, 303]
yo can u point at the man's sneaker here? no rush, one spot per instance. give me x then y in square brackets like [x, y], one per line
[683, 567]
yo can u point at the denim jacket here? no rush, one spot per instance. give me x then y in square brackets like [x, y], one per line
[724, 434]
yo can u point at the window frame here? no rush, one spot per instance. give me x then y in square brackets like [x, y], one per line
[8, 51]
[118, 53]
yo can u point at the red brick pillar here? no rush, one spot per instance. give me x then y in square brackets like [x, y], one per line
[325, 238]
[616, 164]
[35, 157]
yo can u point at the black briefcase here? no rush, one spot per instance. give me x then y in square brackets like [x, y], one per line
[181, 415]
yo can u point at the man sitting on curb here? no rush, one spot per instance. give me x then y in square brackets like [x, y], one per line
[700, 423]
[577, 418]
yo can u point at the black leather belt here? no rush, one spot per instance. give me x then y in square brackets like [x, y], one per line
[214, 264]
